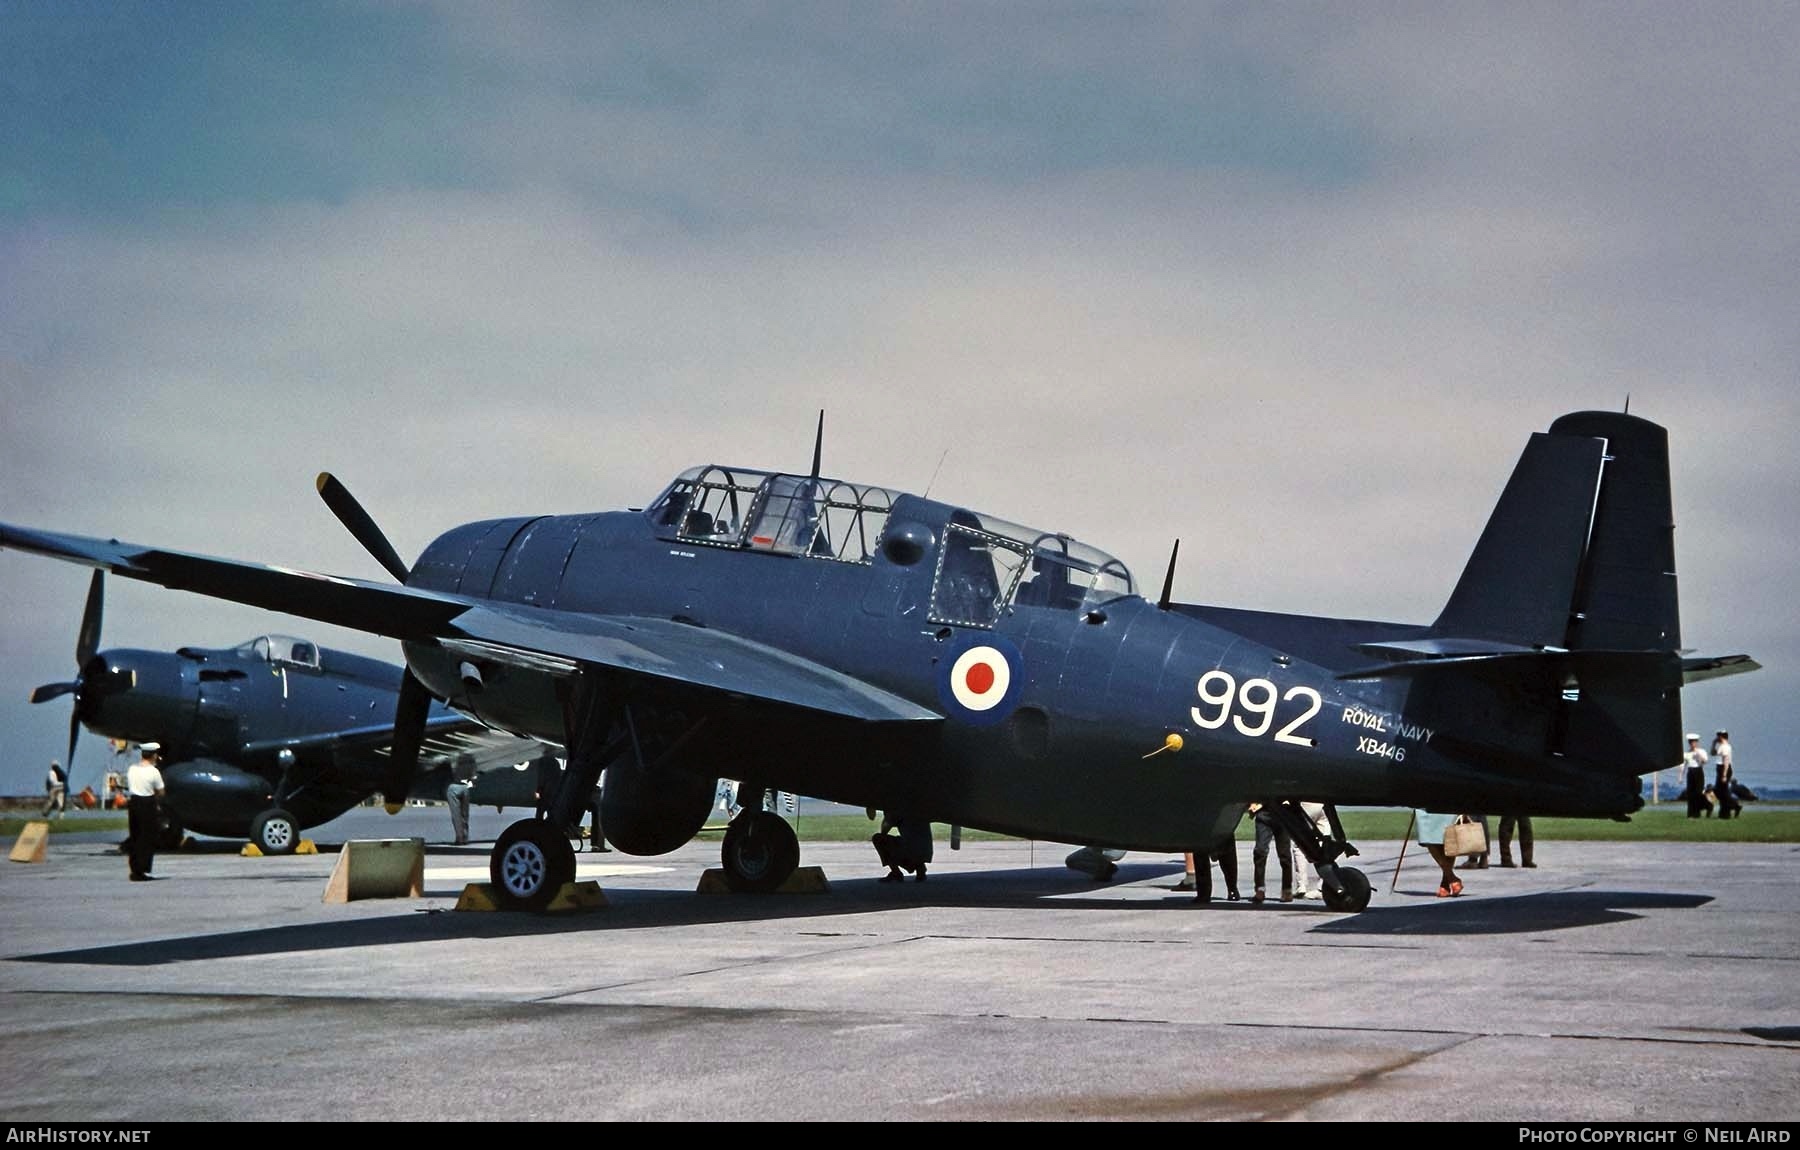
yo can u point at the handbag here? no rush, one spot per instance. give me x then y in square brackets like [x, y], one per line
[1465, 836]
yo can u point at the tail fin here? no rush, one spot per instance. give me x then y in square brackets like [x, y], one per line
[1578, 560]
[1628, 711]
[1521, 582]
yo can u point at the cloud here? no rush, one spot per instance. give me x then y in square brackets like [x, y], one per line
[1294, 291]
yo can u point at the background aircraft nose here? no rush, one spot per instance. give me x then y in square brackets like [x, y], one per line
[136, 695]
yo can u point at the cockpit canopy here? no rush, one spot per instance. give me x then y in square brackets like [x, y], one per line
[987, 565]
[766, 511]
[984, 566]
[282, 650]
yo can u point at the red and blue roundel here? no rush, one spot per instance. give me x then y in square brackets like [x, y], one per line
[979, 681]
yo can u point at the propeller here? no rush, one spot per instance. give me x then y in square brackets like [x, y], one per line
[351, 514]
[413, 707]
[87, 645]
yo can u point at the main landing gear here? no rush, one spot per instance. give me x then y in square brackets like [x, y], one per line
[275, 832]
[760, 850]
[1345, 888]
[531, 862]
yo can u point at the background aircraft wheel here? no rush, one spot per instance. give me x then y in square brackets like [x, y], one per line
[530, 863]
[1355, 893]
[760, 851]
[169, 832]
[275, 832]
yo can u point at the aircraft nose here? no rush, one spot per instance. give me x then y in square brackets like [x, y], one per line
[134, 695]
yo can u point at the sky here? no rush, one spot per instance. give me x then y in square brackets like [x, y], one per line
[1293, 283]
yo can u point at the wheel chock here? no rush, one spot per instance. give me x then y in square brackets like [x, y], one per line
[33, 844]
[477, 896]
[252, 851]
[378, 868]
[585, 895]
[804, 880]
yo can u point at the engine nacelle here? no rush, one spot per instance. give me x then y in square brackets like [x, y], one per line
[652, 812]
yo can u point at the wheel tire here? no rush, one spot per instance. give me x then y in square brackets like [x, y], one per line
[531, 862]
[275, 832]
[169, 832]
[1353, 896]
[760, 851]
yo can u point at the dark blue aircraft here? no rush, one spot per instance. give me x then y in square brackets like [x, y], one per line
[886, 650]
[267, 738]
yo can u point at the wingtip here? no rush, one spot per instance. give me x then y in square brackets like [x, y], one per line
[320, 483]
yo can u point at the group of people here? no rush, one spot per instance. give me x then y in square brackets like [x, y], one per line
[1295, 870]
[1299, 879]
[1724, 790]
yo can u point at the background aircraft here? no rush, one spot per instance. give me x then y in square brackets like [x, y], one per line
[267, 738]
[886, 650]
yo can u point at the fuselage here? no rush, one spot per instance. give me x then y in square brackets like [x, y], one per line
[1060, 685]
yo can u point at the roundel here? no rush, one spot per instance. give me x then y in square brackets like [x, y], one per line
[981, 683]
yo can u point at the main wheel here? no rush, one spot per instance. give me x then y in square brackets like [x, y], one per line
[275, 832]
[1354, 893]
[530, 863]
[760, 851]
[169, 832]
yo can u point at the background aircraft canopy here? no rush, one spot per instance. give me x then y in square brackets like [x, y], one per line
[281, 649]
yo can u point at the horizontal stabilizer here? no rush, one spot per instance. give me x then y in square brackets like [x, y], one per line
[1520, 660]
[1701, 668]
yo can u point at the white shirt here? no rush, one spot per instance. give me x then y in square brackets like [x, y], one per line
[1696, 758]
[143, 780]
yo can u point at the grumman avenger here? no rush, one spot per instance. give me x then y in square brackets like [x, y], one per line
[267, 738]
[888, 650]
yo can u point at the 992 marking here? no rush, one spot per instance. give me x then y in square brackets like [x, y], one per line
[1256, 697]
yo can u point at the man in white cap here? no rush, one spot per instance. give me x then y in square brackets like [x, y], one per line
[1695, 763]
[144, 787]
[1726, 779]
[56, 783]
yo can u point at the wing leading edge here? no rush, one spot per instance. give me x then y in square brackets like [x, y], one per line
[544, 640]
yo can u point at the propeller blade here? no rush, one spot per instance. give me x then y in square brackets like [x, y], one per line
[88, 641]
[351, 514]
[410, 712]
[50, 691]
[75, 736]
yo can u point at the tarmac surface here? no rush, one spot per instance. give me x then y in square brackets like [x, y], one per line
[1617, 981]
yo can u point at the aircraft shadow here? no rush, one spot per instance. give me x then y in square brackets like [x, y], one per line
[639, 909]
[644, 909]
[1514, 914]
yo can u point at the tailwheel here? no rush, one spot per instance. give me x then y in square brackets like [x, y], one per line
[1352, 892]
[531, 861]
[275, 832]
[760, 851]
